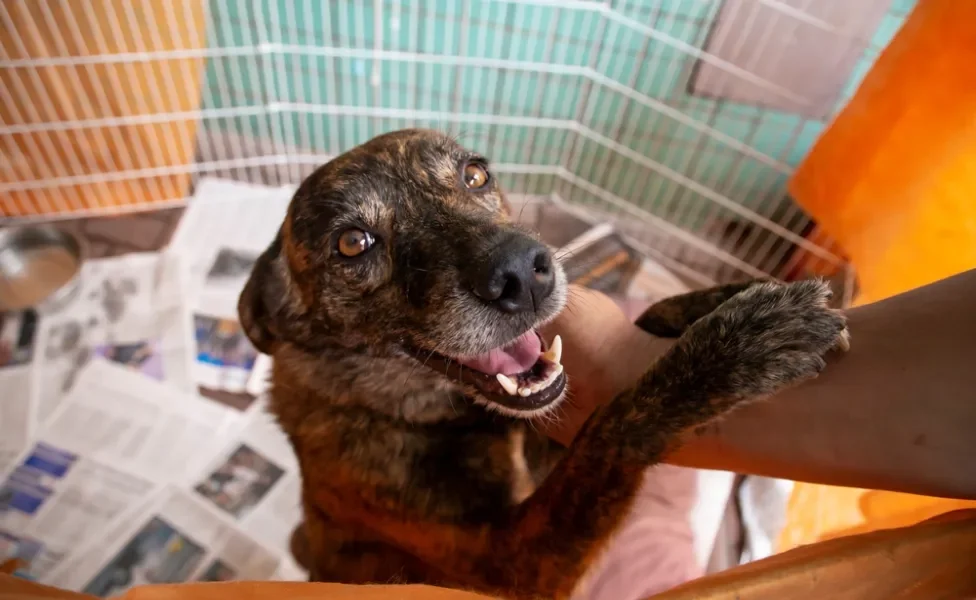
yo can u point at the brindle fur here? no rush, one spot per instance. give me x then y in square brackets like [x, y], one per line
[409, 476]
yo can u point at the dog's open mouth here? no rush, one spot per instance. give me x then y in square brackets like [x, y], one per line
[523, 376]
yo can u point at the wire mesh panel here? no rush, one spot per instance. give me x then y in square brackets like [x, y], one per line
[633, 110]
[92, 115]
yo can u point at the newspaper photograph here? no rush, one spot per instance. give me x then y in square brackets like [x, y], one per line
[18, 339]
[224, 230]
[56, 499]
[239, 483]
[230, 269]
[130, 311]
[255, 481]
[175, 537]
[226, 368]
[144, 425]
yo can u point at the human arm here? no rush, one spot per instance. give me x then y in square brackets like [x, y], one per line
[896, 412]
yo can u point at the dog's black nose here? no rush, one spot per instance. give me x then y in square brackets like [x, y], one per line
[515, 276]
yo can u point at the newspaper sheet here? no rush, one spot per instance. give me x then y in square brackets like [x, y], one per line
[226, 366]
[175, 537]
[56, 499]
[116, 436]
[603, 259]
[18, 337]
[289, 570]
[114, 413]
[225, 228]
[130, 310]
[240, 217]
[255, 481]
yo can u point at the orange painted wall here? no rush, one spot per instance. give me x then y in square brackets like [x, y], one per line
[893, 180]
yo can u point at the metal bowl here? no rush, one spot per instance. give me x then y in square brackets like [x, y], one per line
[39, 268]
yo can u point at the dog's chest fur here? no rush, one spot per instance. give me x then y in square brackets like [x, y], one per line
[365, 418]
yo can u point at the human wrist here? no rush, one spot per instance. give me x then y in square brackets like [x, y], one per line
[607, 371]
[635, 352]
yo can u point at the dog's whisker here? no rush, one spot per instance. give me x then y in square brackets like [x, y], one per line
[429, 356]
[410, 374]
[460, 370]
[459, 135]
[417, 365]
[564, 254]
[522, 211]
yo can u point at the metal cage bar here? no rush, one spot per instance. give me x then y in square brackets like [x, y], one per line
[122, 104]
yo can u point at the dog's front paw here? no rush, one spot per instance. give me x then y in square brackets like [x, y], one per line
[763, 339]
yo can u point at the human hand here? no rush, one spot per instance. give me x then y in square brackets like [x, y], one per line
[604, 353]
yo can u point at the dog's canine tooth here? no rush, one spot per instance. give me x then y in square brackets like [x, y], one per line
[555, 352]
[844, 340]
[508, 383]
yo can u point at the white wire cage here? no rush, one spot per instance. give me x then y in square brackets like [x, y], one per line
[678, 120]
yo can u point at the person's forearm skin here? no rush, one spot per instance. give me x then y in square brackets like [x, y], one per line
[897, 412]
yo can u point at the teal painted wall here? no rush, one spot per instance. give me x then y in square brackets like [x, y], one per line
[564, 35]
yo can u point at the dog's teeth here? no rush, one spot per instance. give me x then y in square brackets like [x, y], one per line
[508, 383]
[512, 388]
[844, 340]
[555, 352]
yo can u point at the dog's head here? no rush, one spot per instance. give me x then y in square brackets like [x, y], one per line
[403, 247]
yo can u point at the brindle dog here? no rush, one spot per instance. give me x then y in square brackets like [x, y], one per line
[401, 304]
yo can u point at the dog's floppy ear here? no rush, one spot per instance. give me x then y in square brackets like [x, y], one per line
[262, 299]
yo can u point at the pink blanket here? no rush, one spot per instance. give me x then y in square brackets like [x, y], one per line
[654, 550]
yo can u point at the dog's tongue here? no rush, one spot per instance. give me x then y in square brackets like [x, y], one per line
[517, 357]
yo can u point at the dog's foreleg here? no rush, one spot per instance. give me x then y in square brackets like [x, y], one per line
[766, 338]
[669, 318]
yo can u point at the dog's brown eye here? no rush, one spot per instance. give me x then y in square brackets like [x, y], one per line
[475, 176]
[353, 242]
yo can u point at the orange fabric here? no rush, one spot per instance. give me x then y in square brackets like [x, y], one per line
[933, 559]
[893, 180]
[12, 588]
